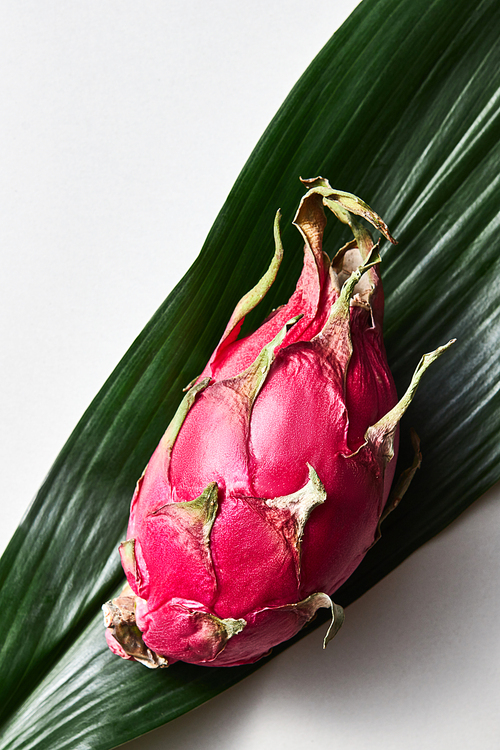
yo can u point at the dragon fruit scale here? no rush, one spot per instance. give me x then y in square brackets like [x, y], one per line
[269, 485]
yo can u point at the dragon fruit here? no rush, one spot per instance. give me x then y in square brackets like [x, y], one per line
[270, 483]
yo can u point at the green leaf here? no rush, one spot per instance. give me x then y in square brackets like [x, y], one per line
[400, 108]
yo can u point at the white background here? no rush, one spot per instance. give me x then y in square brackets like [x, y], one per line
[123, 128]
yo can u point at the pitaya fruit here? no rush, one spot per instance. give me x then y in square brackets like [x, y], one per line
[268, 487]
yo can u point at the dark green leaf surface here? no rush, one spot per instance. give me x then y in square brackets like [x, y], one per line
[400, 108]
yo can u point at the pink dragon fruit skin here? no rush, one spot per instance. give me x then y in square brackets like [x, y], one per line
[268, 487]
